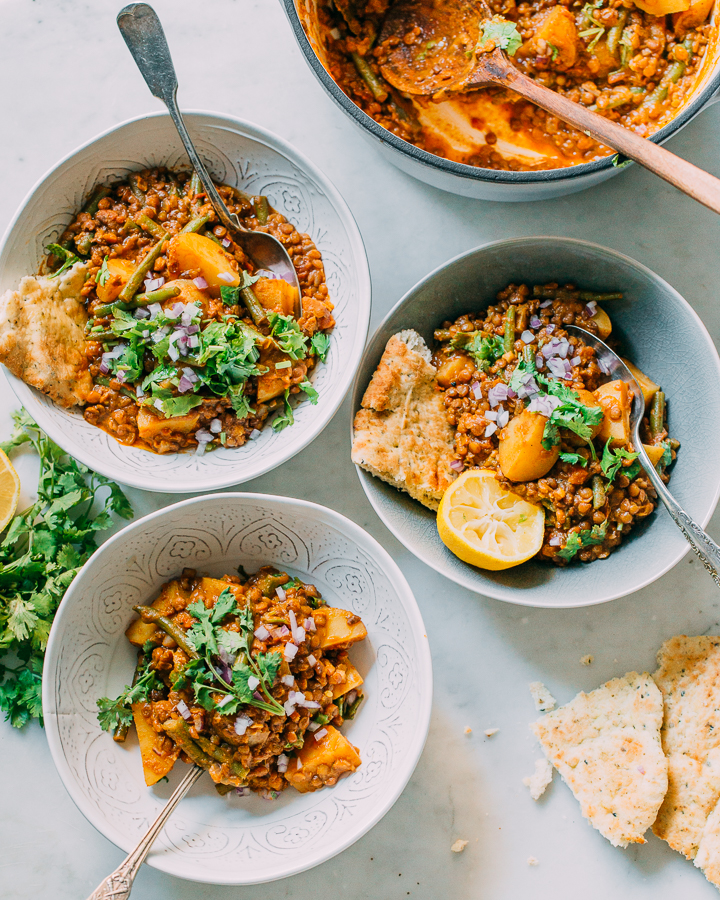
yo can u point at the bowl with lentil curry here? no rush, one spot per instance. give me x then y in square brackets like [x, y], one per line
[307, 700]
[533, 423]
[168, 361]
[649, 65]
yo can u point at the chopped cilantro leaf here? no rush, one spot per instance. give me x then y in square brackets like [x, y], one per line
[104, 273]
[577, 540]
[66, 257]
[503, 34]
[319, 345]
[612, 461]
[575, 459]
[310, 391]
[285, 418]
[288, 336]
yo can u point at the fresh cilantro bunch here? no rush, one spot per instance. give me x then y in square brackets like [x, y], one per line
[612, 462]
[577, 540]
[43, 550]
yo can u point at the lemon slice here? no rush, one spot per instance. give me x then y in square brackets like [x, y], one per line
[486, 525]
[9, 490]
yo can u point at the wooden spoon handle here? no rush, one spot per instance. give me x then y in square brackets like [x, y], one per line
[694, 182]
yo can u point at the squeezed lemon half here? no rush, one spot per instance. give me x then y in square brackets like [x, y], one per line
[9, 490]
[486, 525]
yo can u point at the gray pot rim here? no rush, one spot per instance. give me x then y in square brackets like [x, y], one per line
[474, 173]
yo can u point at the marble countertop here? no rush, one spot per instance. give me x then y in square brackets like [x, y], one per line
[65, 75]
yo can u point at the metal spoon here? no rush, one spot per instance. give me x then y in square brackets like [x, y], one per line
[702, 543]
[118, 885]
[145, 38]
[442, 55]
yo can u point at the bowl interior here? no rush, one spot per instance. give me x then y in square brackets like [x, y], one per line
[659, 332]
[256, 161]
[230, 839]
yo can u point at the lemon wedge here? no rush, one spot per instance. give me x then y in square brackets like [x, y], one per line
[486, 525]
[9, 490]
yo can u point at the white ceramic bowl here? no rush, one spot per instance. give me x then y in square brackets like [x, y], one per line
[246, 157]
[232, 840]
[658, 330]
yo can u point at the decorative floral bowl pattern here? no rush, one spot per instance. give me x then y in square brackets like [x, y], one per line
[233, 840]
[246, 157]
[658, 330]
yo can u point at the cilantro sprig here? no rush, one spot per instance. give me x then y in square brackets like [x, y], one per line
[43, 550]
[67, 258]
[503, 34]
[612, 462]
[118, 713]
[577, 540]
[484, 349]
[571, 413]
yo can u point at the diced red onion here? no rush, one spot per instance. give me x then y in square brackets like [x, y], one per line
[590, 309]
[173, 353]
[563, 348]
[261, 633]
[240, 791]
[290, 651]
[184, 385]
[255, 433]
[146, 334]
[253, 682]
[215, 426]
[282, 631]
[154, 309]
[184, 711]
[227, 277]
[545, 304]
[193, 341]
[503, 418]
[544, 404]
[309, 624]
[242, 723]
[535, 322]
[603, 366]
[550, 328]
[287, 680]
[104, 368]
[491, 429]
[497, 393]
[200, 283]
[528, 337]
[319, 735]
[141, 313]
[202, 436]
[555, 540]
[476, 389]
[575, 361]
[115, 353]
[158, 405]
[282, 763]
[257, 695]
[280, 591]
[176, 336]
[311, 660]
[456, 465]
[226, 242]
[192, 329]
[313, 726]
[140, 393]
[539, 360]
[120, 376]
[511, 393]
[152, 284]
[557, 367]
[351, 697]
[491, 416]
[310, 704]
[158, 335]
[190, 374]
[289, 707]
[641, 770]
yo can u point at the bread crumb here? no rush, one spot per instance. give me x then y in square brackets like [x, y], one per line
[544, 700]
[587, 660]
[532, 861]
[540, 779]
[489, 732]
[459, 846]
[468, 730]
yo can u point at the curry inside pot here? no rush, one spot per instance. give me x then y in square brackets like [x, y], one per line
[637, 62]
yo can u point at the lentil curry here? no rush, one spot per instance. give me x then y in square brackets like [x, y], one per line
[248, 678]
[635, 62]
[187, 344]
[531, 403]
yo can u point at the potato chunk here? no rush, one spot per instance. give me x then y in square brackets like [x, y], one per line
[353, 680]
[614, 398]
[648, 387]
[276, 295]
[604, 325]
[589, 400]
[275, 381]
[139, 631]
[655, 452]
[452, 368]
[151, 425]
[692, 16]
[662, 7]
[158, 752]
[188, 252]
[321, 762]
[521, 454]
[555, 27]
[337, 628]
[119, 273]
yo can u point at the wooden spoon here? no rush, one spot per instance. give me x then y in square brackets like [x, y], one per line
[432, 46]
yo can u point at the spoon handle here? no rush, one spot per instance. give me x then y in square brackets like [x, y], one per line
[691, 180]
[118, 885]
[140, 27]
[701, 542]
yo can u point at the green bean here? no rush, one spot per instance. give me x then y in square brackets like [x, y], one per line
[369, 77]
[262, 209]
[102, 336]
[674, 443]
[509, 336]
[144, 266]
[672, 75]
[214, 238]
[83, 243]
[350, 713]
[135, 188]
[150, 615]
[598, 489]
[590, 296]
[130, 226]
[178, 731]
[528, 354]
[121, 731]
[194, 185]
[657, 415]
[159, 296]
[224, 789]
[153, 228]
[194, 225]
[253, 306]
[442, 334]
[268, 584]
[108, 309]
[93, 201]
[614, 34]
[222, 755]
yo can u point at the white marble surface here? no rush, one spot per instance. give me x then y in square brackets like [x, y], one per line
[65, 75]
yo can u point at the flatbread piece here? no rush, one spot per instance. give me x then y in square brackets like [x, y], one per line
[401, 433]
[606, 745]
[42, 338]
